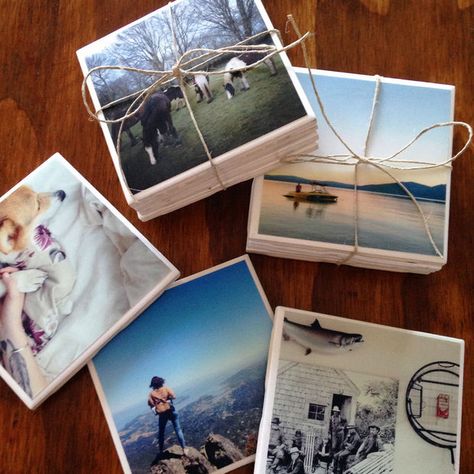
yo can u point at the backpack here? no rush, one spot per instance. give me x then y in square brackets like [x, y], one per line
[161, 404]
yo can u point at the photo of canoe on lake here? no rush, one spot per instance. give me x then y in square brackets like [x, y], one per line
[386, 221]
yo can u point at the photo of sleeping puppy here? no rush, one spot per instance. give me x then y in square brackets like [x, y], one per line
[44, 273]
[73, 273]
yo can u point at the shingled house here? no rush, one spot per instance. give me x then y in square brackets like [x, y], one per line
[304, 398]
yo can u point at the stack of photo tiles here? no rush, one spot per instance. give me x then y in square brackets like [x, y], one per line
[308, 211]
[353, 397]
[250, 119]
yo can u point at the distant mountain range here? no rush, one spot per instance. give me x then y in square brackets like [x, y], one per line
[420, 191]
[234, 412]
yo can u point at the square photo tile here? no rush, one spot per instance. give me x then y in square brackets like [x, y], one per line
[182, 387]
[74, 273]
[349, 397]
[249, 116]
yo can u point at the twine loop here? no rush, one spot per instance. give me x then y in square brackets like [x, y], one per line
[189, 64]
[384, 164]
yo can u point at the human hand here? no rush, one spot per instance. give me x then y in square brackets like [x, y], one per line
[11, 310]
[10, 283]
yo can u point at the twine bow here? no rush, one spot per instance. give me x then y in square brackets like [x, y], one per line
[384, 164]
[191, 63]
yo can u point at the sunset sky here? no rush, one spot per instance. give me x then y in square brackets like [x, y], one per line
[403, 110]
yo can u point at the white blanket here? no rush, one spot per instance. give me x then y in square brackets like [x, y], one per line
[114, 269]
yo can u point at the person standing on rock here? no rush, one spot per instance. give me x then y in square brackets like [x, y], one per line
[160, 400]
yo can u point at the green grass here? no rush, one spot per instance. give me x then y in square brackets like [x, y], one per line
[270, 103]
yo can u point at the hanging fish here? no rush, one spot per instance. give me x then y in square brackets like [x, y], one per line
[316, 338]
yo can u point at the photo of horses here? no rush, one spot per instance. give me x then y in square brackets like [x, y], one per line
[316, 201]
[182, 387]
[232, 108]
[57, 234]
[336, 392]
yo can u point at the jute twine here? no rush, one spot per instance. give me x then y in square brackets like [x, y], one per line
[191, 63]
[384, 164]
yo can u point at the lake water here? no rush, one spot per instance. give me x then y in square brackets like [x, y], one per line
[385, 222]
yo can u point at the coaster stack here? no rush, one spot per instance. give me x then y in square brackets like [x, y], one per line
[315, 208]
[238, 113]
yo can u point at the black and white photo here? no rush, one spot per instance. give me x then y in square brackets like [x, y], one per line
[336, 400]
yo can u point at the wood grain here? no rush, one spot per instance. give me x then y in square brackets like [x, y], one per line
[41, 112]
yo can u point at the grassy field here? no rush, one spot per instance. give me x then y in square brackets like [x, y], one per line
[270, 103]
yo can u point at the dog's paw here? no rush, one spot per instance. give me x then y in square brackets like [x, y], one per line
[29, 281]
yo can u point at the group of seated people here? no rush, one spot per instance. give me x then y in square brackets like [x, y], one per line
[287, 457]
[353, 445]
[284, 456]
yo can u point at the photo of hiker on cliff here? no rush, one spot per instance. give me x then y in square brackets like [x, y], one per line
[160, 401]
[188, 397]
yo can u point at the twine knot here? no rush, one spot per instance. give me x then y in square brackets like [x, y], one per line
[176, 70]
[362, 159]
[193, 62]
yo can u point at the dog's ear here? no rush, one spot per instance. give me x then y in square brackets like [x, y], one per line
[8, 235]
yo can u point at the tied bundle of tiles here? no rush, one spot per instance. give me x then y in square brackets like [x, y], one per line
[376, 195]
[190, 107]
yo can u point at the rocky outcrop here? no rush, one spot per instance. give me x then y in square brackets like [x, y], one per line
[220, 451]
[174, 461]
[216, 453]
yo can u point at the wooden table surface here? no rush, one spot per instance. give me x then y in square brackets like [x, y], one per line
[41, 112]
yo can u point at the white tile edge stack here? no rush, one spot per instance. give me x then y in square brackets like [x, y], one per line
[365, 257]
[240, 164]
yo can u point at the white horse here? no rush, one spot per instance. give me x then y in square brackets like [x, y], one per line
[201, 86]
[230, 75]
[243, 61]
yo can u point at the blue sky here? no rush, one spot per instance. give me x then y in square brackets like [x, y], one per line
[212, 325]
[404, 109]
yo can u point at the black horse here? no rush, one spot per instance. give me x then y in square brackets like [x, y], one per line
[175, 93]
[157, 124]
[252, 57]
[120, 111]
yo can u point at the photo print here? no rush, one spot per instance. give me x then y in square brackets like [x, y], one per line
[336, 392]
[431, 399]
[182, 387]
[73, 273]
[335, 431]
[311, 205]
[231, 109]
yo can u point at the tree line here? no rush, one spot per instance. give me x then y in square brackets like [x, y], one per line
[156, 42]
